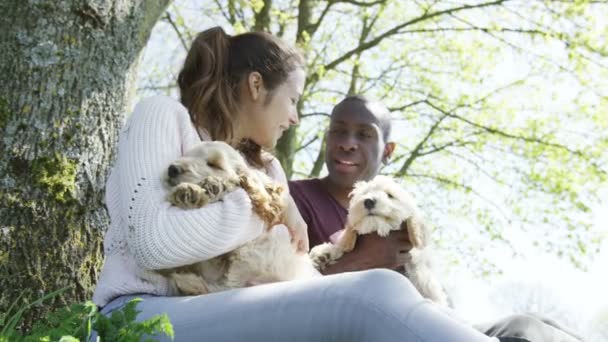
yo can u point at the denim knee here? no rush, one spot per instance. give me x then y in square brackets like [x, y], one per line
[383, 287]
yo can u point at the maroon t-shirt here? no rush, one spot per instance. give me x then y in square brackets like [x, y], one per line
[323, 214]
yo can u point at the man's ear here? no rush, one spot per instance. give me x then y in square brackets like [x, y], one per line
[255, 85]
[389, 148]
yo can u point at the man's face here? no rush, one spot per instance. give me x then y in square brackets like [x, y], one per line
[355, 144]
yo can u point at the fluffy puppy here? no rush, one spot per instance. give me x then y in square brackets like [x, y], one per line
[381, 206]
[213, 168]
[203, 175]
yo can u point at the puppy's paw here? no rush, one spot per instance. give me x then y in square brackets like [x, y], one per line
[189, 284]
[384, 230]
[216, 187]
[324, 255]
[187, 196]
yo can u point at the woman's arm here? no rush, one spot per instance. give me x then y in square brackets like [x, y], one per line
[159, 235]
[293, 218]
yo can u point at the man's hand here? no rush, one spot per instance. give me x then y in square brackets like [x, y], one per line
[297, 226]
[373, 251]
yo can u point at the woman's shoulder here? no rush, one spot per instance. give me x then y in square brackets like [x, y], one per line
[162, 116]
[275, 170]
[158, 105]
[160, 101]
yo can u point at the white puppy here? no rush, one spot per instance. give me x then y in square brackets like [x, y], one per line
[381, 206]
[204, 175]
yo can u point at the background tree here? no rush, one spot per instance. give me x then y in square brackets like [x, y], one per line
[67, 72]
[503, 101]
[500, 106]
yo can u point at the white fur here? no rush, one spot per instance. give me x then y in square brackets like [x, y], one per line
[268, 258]
[392, 207]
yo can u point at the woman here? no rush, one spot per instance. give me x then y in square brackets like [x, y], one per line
[242, 90]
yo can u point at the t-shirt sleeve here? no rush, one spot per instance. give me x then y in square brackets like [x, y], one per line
[318, 209]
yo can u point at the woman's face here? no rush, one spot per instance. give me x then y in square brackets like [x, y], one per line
[273, 112]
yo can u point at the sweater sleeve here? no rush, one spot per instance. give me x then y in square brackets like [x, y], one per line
[158, 234]
[299, 197]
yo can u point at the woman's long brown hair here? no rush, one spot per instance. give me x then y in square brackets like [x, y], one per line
[216, 64]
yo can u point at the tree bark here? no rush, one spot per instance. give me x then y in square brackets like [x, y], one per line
[262, 18]
[67, 76]
[287, 144]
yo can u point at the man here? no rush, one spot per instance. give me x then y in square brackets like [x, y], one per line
[357, 143]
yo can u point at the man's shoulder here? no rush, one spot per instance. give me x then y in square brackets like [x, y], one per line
[307, 189]
[305, 185]
[305, 182]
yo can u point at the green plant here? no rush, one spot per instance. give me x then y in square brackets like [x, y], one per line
[76, 322]
[121, 325]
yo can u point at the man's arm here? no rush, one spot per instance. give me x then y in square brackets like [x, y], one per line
[373, 251]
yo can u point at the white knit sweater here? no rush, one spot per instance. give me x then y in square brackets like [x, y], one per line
[146, 233]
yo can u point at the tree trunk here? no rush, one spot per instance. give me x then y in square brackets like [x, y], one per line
[288, 143]
[67, 72]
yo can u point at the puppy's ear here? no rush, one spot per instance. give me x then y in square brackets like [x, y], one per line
[357, 185]
[415, 228]
[348, 239]
[217, 160]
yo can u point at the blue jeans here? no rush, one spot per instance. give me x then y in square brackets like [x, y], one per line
[528, 328]
[375, 305]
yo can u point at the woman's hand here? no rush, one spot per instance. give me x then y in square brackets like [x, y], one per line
[296, 226]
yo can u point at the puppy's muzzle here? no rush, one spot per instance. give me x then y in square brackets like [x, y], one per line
[172, 172]
[369, 203]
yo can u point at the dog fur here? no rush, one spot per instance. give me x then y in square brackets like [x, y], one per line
[381, 206]
[203, 175]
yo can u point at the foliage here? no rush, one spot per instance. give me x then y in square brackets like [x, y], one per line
[75, 323]
[500, 106]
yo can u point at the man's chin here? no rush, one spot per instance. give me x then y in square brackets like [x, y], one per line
[344, 180]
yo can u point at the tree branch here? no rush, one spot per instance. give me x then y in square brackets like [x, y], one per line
[305, 145]
[262, 18]
[416, 151]
[496, 131]
[230, 18]
[314, 114]
[319, 161]
[400, 108]
[361, 3]
[168, 18]
[395, 30]
[465, 187]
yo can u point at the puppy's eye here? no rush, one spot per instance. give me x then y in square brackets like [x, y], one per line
[213, 166]
[390, 195]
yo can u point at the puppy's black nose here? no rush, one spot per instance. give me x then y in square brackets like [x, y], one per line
[173, 171]
[369, 203]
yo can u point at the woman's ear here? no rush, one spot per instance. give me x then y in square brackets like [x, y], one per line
[255, 85]
[389, 148]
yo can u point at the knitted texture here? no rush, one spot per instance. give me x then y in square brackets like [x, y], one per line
[146, 233]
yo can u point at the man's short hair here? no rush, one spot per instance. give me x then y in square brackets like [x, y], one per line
[375, 107]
